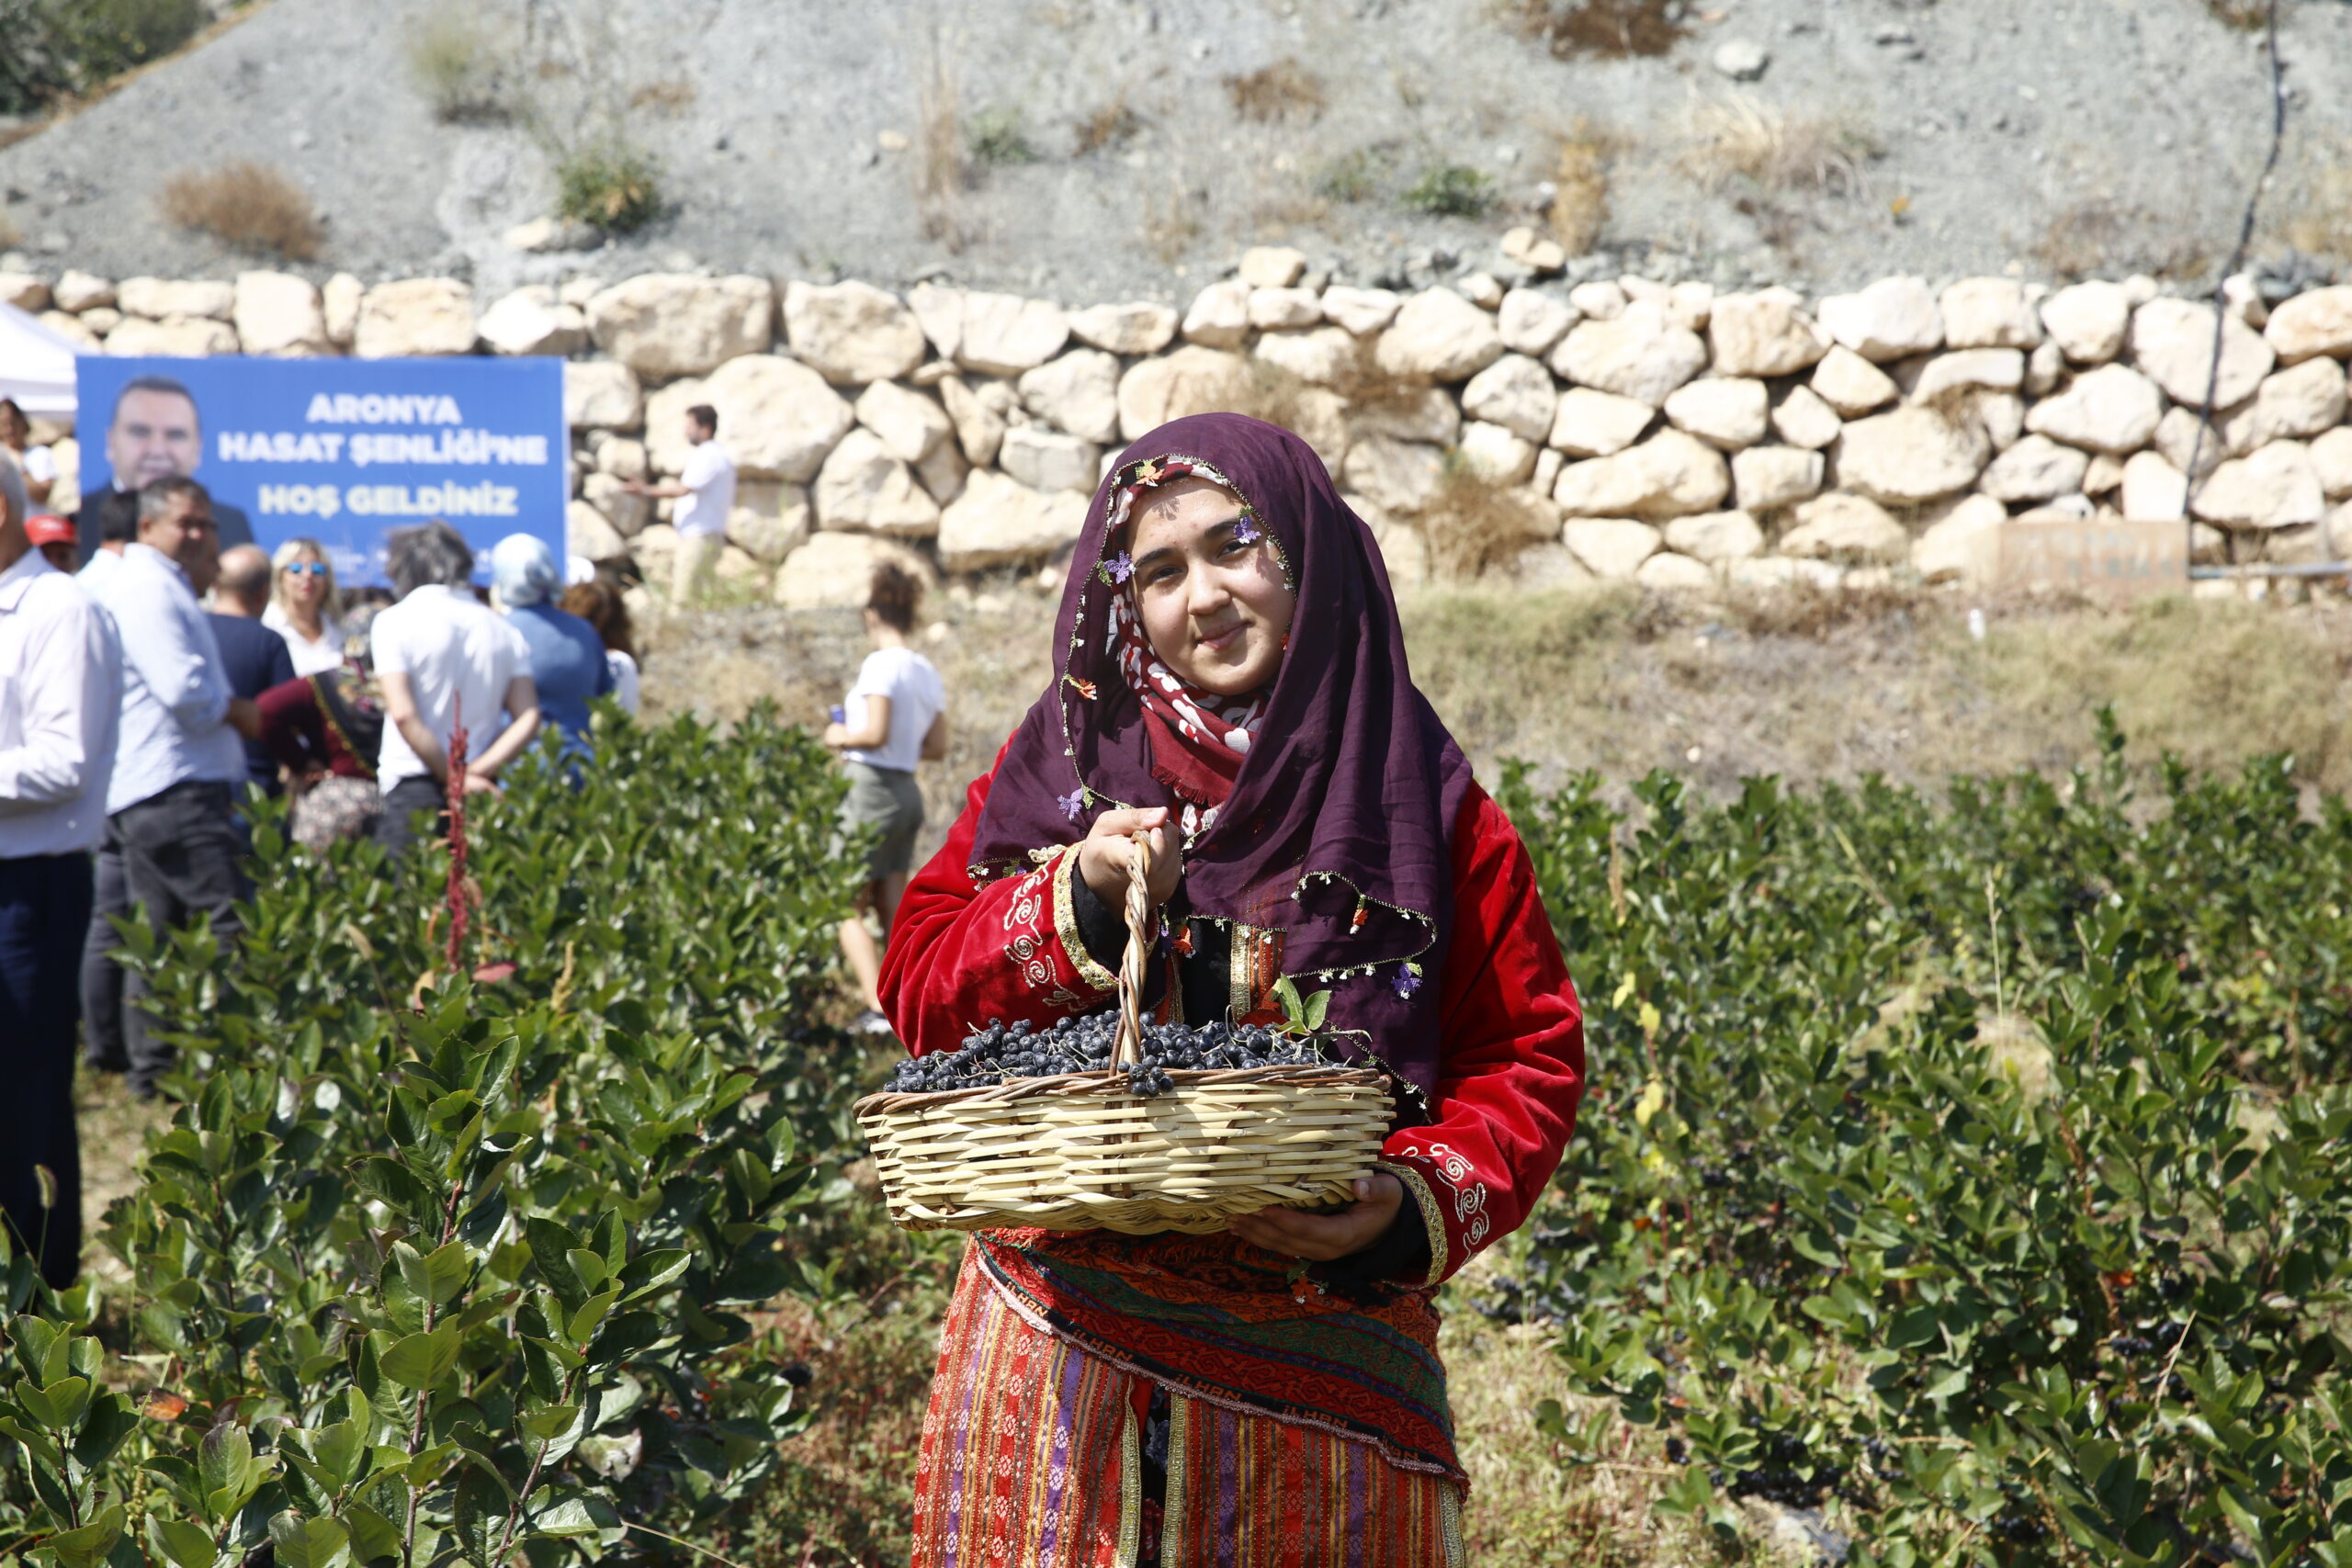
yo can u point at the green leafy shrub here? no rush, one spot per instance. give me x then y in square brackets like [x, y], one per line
[443, 1264]
[608, 184]
[1450, 190]
[999, 136]
[1979, 1175]
[1352, 176]
[58, 48]
[458, 65]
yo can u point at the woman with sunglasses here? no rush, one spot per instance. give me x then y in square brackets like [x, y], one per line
[303, 606]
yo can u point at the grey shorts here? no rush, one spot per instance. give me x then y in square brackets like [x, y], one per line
[891, 800]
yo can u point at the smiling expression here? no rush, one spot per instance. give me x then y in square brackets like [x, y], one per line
[1214, 601]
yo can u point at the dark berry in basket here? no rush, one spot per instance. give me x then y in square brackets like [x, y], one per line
[996, 1052]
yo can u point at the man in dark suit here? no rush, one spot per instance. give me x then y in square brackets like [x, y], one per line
[253, 656]
[154, 432]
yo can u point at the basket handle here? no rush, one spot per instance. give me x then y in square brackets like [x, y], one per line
[1127, 1049]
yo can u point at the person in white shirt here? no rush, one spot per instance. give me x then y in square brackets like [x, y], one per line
[304, 607]
[705, 492]
[443, 658]
[895, 716]
[61, 695]
[117, 520]
[179, 759]
[39, 464]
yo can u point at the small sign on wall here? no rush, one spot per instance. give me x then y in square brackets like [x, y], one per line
[2101, 559]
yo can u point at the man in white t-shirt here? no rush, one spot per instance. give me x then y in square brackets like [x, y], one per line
[705, 492]
[444, 658]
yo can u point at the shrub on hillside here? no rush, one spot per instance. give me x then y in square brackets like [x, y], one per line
[443, 1261]
[55, 49]
[457, 64]
[1450, 190]
[609, 184]
[249, 205]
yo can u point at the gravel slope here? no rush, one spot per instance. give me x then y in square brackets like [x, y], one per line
[2104, 135]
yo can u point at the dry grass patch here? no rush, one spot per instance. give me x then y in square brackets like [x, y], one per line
[1741, 138]
[1478, 527]
[1605, 30]
[1172, 222]
[1529, 1507]
[1580, 202]
[1285, 90]
[940, 171]
[668, 99]
[1113, 125]
[248, 206]
[460, 65]
[2319, 220]
[2100, 235]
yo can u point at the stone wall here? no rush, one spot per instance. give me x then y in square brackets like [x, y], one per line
[1669, 434]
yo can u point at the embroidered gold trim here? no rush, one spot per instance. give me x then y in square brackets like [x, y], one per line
[1431, 1216]
[1449, 1525]
[1066, 927]
[1240, 965]
[1171, 1510]
[1130, 1492]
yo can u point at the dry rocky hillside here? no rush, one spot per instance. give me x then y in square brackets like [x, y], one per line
[1088, 150]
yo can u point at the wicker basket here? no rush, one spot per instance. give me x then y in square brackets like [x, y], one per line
[1081, 1152]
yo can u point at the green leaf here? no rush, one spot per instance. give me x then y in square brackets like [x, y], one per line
[481, 1507]
[87, 1547]
[308, 1543]
[648, 1271]
[59, 1407]
[184, 1545]
[582, 1325]
[226, 1470]
[423, 1360]
[374, 1538]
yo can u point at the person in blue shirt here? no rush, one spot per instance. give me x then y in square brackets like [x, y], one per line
[253, 657]
[567, 661]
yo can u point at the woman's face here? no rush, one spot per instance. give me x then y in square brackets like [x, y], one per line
[305, 585]
[1215, 606]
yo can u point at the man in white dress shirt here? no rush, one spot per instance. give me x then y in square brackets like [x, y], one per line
[443, 658]
[705, 492]
[170, 807]
[61, 695]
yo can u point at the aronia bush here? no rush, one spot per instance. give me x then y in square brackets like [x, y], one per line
[439, 1265]
[1977, 1176]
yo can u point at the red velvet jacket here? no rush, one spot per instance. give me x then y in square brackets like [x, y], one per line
[1513, 1044]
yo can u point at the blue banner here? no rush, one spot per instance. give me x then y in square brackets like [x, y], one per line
[341, 451]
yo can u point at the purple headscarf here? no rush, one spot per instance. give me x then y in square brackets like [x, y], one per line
[1339, 826]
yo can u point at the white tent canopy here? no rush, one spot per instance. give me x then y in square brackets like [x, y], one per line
[36, 364]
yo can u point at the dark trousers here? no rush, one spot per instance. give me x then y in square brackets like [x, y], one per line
[102, 1043]
[45, 908]
[396, 828]
[180, 863]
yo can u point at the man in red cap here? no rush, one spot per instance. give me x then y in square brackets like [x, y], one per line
[54, 538]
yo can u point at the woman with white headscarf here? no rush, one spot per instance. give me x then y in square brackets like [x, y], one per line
[567, 657]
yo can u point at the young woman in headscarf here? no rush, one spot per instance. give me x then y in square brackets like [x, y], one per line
[1230, 682]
